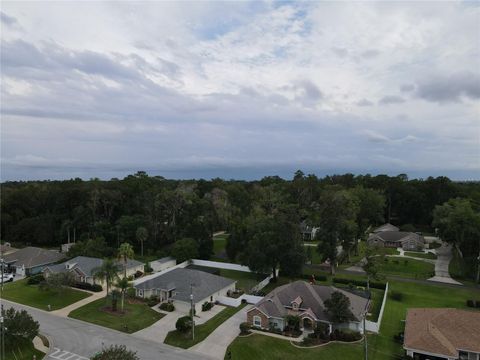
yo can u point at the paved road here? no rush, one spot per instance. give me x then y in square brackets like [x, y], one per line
[77, 340]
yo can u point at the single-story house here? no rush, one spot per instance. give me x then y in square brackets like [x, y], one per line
[305, 300]
[308, 232]
[7, 249]
[176, 286]
[442, 334]
[389, 236]
[31, 260]
[163, 263]
[83, 268]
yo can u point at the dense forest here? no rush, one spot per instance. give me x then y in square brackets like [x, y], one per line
[262, 216]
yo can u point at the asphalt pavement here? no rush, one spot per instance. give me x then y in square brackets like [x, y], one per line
[77, 340]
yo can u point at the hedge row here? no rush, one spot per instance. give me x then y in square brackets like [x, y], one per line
[362, 283]
[87, 286]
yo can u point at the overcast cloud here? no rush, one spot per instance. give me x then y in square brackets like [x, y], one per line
[239, 89]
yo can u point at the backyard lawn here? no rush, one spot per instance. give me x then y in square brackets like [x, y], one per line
[137, 316]
[421, 255]
[407, 268]
[219, 245]
[178, 339]
[23, 350]
[31, 295]
[381, 347]
[376, 304]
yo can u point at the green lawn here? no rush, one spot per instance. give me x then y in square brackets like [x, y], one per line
[185, 341]
[245, 280]
[381, 347]
[376, 304]
[23, 351]
[31, 295]
[407, 268]
[137, 316]
[219, 244]
[421, 255]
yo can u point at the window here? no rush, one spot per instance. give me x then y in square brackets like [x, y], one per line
[295, 306]
[257, 321]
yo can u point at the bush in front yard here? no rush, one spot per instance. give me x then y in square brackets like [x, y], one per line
[207, 306]
[183, 324]
[153, 300]
[166, 306]
[87, 286]
[345, 335]
[244, 328]
[35, 279]
[131, 292]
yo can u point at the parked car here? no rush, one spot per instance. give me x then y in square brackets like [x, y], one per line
[6, 278]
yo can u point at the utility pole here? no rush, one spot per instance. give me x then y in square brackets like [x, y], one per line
[365, 335]
[192, 311]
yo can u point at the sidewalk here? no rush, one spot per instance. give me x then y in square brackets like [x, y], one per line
[63, 312]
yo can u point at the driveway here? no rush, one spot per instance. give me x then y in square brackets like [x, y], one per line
[158, 331]
[72, 339]
[444, 255]
[215, 345]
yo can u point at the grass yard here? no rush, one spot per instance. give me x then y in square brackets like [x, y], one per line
[23, 351]
[407, 268]
[245, 280]
[421, 255]
[219, 245]
[376, 304]
[381, 347]
[137, 316]
[31, 295]
[178, 339]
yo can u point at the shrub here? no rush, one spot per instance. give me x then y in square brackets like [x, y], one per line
[138, 274]
[35, 279]
[477, 303]
[396, 295]
[148, 268]
[244, 301]
[471, 303]
[308, 277]
[398, 337]
[244, 328]
[345, 335]
[153, 300]
[362, 283]
[131, 292]
[167, 306]
[183, 324]
[206, 306]
[87, 286]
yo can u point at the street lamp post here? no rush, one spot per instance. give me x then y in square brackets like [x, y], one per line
[192, 311]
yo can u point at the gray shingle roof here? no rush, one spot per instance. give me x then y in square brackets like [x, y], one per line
[313, 296]
[398, 236]
[32, 257]
[205, 284]
[88, 265]
[386, 227]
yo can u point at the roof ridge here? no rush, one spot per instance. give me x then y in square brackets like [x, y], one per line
[438, 335]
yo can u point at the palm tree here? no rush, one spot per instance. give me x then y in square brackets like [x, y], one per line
[125, 252]
[122, 284]
[142, 235]
[108, 272]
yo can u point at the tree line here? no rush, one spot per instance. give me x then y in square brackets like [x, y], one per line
[153, 213]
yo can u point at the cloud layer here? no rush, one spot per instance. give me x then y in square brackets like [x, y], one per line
[104, 89]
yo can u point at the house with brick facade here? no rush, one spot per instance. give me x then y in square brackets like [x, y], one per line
[306, 301]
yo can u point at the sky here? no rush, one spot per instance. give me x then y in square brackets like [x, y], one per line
[239, 89]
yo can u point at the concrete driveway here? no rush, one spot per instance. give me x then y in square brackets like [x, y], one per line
[159, 330]
[444, 255]
[215, 345]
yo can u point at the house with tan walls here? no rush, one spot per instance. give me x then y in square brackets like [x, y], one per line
[84, 268]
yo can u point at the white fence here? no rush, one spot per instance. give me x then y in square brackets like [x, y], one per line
[153, 276]
[250, 299]
[375, 326]
[221, 265]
